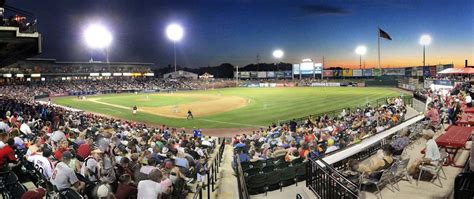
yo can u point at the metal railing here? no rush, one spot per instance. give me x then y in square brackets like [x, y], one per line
[326, 182]
[198, 193]
[369, 151]
[212, 172]
[241, 185]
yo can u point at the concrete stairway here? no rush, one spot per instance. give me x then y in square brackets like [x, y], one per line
[227, 183]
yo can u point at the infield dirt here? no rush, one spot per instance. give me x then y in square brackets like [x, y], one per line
[204, 106]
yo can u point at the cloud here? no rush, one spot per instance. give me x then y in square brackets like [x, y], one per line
[319, 9]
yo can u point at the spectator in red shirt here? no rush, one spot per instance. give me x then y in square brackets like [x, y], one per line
[304, 151]
[7, 155]
[433, 115]
[309, 137]
[125, 188]
[63, 147]
[84, 150]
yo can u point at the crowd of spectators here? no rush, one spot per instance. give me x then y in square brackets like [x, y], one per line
[320, 135]
[106, 157]
[28, 90]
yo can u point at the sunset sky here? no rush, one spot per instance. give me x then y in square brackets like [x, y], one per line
[220, 31]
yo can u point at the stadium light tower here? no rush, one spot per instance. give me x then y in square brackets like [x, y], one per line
[278, 54]
[175, 33]
[360, 50]
[98, 37]
[424, 41]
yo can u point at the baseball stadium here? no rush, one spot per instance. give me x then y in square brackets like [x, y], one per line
[236, 100]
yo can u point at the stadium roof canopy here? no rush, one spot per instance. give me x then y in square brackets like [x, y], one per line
[457, 71]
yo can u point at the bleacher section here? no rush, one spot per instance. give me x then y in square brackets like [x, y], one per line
[18, 41]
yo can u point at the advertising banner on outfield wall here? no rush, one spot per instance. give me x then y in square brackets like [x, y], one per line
[296, 68]
[328, 73]
[393, 71]
[270, 74]
[253, 74]
[432, 71]
[287, 74]
[244, 74]
[408, 71]
[377, 72]
[347, 72]
[280, 74]
[325, 84]
[337, 73]
[414, 72]
[262, 74]
[426, 71]
[273, 85]
[419, 72]
[408, 87]
[357, 73]
[439, 68]
[318, 68]
[367, 72]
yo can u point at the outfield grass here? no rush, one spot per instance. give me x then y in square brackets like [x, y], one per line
[266, 105]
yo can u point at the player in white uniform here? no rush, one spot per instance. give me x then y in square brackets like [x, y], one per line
[42, 162]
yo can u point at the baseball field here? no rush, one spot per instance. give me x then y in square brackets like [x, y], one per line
[226, 108]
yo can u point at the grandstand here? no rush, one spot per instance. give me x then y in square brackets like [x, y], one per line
[126, 130]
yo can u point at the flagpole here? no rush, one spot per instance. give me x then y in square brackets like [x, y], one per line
[378, 44]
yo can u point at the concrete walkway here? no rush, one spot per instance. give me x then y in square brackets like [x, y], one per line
[227, 186]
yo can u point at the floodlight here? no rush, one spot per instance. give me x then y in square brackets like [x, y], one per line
[425, 40]
[278, 53]
[361, 50]
[174, 32]
[97, 36]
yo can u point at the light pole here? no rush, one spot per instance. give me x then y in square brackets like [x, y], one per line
[175, 33]
[278, 54]
[360, 50]
[424, 41]
[237, 75]
[98, 37]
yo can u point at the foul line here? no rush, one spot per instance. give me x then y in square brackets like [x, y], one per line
[207, 120]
